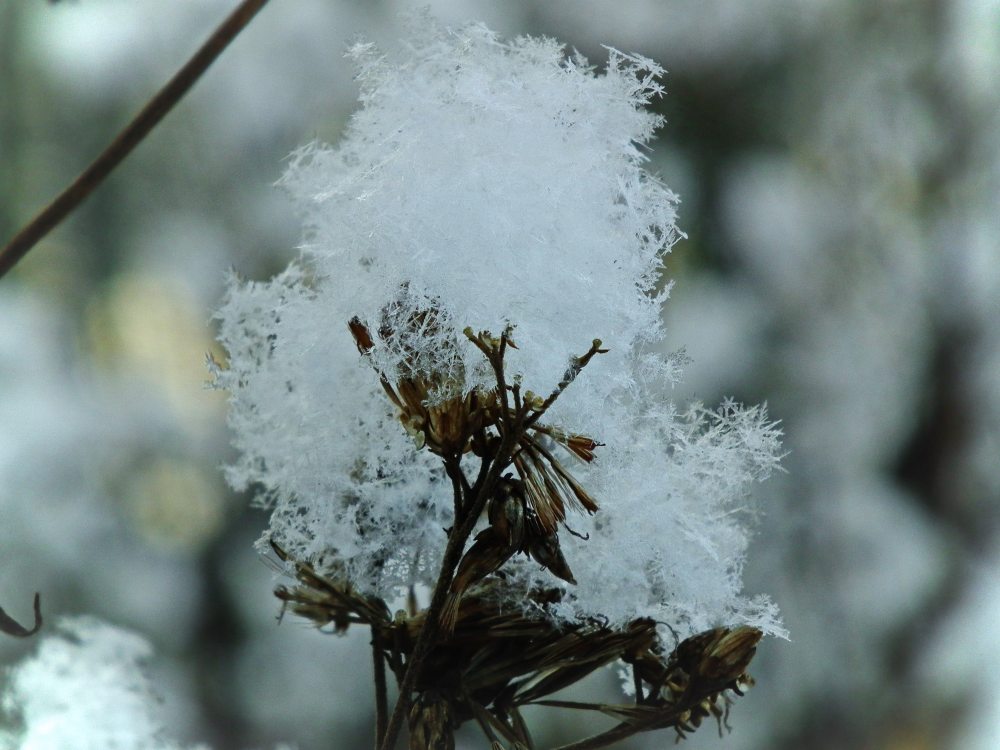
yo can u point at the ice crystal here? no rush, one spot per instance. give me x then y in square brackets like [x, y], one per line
[488, 183]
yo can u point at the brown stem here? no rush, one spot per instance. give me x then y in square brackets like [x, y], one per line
[133, 134]
[517, 722]
[656, 720]
[10, 626]
[637, 686]
[511, 429]
[453, 553]
[429, 631]
[604, 739]
[381, 701]
[494, 355]
[453, 467]
[575, 366]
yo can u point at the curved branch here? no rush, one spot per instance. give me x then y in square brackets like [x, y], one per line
[10, 626]
[155, 110]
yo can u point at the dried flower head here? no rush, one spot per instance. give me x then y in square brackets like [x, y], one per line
[497, 661]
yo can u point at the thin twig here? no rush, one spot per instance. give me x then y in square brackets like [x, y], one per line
[10, 626]
[604, 739]
[637, 686]
[459, 485]
[654, 720]
[381, 701]
[156, 108]
[487, 721]
[494, 355]
[460, 534]
[518, 723]
[576, 365]
[425, 641]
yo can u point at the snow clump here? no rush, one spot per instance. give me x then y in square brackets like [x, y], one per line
[497, 183]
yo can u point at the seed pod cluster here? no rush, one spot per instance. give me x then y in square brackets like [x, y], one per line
[431, 726]
[513, 527]
[498, 660]
[437, 415]
[486, 661]
[692, 683]
[444, 424]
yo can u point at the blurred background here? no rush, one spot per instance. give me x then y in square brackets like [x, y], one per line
[839, 166]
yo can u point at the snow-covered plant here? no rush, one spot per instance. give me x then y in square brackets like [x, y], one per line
[86, 689]
[470, 345]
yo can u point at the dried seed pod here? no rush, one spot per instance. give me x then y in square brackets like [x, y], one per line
[545, 550]
[431, 725]
[719, 656]
[432, 407]
[488, 552]
[506, 512]
[362, 336]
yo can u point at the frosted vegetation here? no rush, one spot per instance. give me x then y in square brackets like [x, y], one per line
[86, 689]
[839, 168]
[484, 185]
[487, 184]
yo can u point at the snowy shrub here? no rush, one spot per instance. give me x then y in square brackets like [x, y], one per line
[486, 231]
[499, 183]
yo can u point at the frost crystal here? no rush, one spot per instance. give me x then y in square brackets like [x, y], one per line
[494, 183]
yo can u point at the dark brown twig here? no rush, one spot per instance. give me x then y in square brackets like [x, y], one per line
[611, 736]
[156, 108]
[453, 553]
[381, 700]
[453, 469]
[575, 366]
[10, 626]
[490, 470]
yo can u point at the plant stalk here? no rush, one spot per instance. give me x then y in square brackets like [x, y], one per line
[452, 555]
[381, 700]
[155, 110]
[611, 736]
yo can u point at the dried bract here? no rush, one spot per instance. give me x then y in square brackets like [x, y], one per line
[497, 661]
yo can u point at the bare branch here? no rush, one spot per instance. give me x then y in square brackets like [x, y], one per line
[155, 110]
[10, 626]
[575, 366]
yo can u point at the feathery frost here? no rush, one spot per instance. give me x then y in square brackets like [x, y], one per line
[496, 183]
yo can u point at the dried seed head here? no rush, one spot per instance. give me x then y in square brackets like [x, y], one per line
[544, 549]
[488, 552]
[469, 675]
[506, 512]
[549, 487]
[431, 725]
[432, 406]
[361, 335]
[726, 658]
